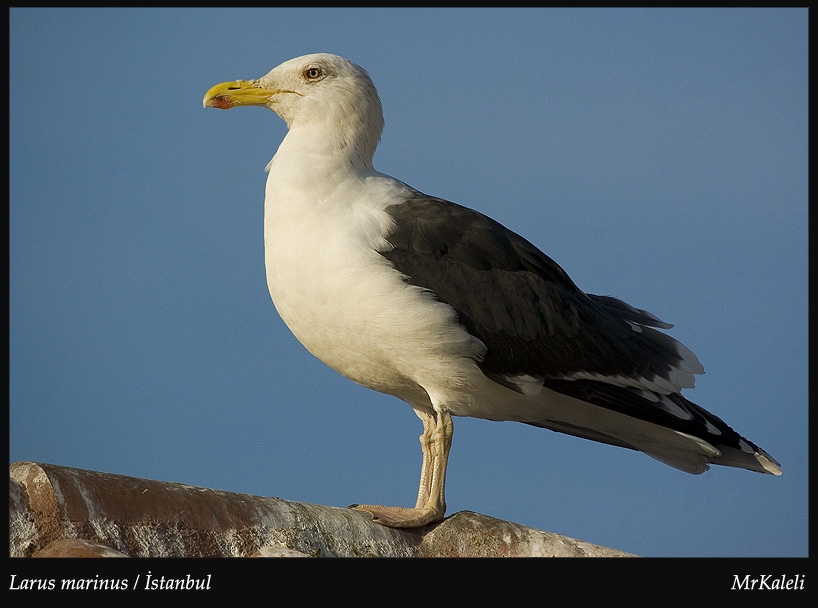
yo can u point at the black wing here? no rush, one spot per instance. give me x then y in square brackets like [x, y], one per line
[528, 312]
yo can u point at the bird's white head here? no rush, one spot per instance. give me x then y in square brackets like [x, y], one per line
[320, 92]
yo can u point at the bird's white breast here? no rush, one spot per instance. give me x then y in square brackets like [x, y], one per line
[345, 302]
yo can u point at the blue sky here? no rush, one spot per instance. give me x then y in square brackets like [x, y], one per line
[660, 156]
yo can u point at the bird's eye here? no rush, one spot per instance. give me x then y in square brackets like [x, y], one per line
[313, 73]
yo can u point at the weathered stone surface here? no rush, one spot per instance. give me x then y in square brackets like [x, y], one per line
[62, 511]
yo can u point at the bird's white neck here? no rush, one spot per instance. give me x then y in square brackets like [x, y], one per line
[310, 149]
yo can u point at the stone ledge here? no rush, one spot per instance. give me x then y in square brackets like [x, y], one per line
[57, 511]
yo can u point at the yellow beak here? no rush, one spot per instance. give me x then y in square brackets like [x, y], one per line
[226, 95]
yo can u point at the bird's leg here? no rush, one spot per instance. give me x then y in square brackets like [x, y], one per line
[437, 437]
[426, 467]
[435, 443]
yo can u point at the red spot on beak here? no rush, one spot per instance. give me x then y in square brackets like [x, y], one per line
[222, 102]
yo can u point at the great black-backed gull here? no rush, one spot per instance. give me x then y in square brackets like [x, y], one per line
[443, 307]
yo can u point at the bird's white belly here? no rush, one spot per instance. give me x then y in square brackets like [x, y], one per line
[349, 307]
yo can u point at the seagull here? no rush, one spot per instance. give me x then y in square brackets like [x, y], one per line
[446, 309]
